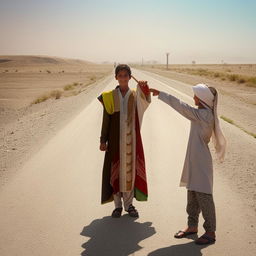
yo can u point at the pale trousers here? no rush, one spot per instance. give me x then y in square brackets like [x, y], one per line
[127, 199]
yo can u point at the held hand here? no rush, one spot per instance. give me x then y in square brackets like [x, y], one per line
[144, 87]
[103, 147]
[154, 91]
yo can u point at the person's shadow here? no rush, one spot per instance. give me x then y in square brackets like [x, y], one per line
[190, 249]
[115, 237]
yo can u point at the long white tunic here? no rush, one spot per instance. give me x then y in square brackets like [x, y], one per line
[127, 171]
[197, 174]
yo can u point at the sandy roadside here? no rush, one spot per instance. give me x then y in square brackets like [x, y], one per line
[34, 125]
[60, 87]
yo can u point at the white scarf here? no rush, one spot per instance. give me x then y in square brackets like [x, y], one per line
[210, 101]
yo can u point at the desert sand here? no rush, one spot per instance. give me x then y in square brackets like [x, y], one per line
[25, 126]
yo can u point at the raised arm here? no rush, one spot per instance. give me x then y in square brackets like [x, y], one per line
[180, 106]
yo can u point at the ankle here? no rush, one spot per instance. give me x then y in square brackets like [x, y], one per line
[210, 233]
[192, 228]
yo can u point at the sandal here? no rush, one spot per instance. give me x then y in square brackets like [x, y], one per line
[184, 234]
[117, 213]
[210, 240]
[133, 212]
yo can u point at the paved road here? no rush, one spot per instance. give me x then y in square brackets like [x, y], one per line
[52, 206]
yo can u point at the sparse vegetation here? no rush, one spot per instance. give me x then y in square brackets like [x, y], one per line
[70, 86]
[233, 77]
[210, 71]
[56, 94]
[227, 119]
[249, 81]
[43, 83]
[238, 126]
[41, 99]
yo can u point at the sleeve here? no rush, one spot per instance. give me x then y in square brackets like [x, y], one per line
[105, 127]
[144, 93]
[105, 123]
[183, 108]
[142, 103]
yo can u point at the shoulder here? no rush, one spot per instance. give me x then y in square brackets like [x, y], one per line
[106, 94]
[205, 114]
[100, 98]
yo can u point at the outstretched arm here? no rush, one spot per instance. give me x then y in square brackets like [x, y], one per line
[180, 106]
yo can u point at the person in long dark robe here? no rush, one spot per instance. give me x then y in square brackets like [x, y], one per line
[124, 172]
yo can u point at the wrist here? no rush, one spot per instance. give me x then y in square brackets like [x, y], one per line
[103, 141]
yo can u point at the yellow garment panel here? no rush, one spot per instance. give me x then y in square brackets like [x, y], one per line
[108, 100]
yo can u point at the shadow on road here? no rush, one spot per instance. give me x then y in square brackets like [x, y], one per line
[190, 249]
[115, 237]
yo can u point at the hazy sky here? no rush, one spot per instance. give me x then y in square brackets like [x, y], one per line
[206, 31]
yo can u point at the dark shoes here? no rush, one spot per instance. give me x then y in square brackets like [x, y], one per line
[205, 239]
[182, 234]
[117, 213]
[131, 211]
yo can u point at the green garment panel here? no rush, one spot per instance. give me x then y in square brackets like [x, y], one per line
[140, 196]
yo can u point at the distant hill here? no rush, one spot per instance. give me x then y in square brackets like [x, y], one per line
[37, 60]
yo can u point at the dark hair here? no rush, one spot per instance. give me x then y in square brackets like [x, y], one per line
[213, 90]
[123, 67]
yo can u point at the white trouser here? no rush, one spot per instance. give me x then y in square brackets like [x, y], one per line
[127, 198]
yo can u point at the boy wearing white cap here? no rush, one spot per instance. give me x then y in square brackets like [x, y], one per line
[197, 174]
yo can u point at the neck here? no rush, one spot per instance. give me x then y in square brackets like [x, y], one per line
[124, 89]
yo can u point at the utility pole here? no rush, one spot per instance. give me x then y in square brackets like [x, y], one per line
[167, 59]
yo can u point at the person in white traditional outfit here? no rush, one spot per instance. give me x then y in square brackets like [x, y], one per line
[197, 174]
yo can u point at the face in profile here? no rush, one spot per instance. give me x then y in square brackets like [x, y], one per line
[123, 77]
[196, 99]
